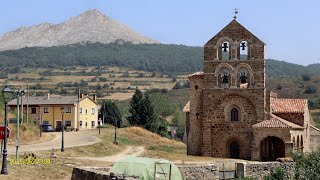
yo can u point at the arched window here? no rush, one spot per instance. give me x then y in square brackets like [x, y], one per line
[225, 51]
[234, 114]
[298, 142]
[301, 142]
[243, 50]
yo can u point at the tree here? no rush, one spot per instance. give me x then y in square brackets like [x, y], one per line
[179, 121]
[110, 111]
[135, 109]
[307, 165]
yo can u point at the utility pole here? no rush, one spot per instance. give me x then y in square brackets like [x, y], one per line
[27, 103]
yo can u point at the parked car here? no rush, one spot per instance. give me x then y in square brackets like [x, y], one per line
[46, 128]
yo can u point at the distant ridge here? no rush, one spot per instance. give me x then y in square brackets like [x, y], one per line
[90, 26]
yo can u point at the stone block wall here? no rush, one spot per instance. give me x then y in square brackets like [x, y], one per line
[195, 172]
[189, 172]
[258, 170]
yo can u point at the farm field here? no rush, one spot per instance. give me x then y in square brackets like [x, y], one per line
[105, 82]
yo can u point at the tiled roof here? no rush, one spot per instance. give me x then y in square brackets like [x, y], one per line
[44, 100]
[277, 122]
[187, 107]
[199, 73]
[288, 105]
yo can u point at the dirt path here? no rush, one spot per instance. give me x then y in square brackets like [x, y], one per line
[129, 151]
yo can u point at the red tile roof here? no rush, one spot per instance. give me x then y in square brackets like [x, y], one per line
[186, 108]
[277, 122]
[288, 105]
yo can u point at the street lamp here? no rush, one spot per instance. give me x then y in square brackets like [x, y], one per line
[18, 93]
[40, 123]
[5, 91]
[115, 132]
[62, 140]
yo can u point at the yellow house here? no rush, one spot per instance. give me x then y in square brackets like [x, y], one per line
[79, 112]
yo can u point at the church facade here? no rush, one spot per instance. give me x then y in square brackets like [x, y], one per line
[231, 114]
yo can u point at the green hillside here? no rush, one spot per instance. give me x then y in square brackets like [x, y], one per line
[168, 59]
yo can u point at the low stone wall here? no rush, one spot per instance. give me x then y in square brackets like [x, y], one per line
[192, 172]
[258, 170]
[91, 173]
[205, 172]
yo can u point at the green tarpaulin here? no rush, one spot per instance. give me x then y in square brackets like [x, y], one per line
[144, 168]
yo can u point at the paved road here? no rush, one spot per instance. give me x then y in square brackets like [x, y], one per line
[71, 139]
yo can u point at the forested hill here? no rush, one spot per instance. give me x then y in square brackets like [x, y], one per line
[168, 59]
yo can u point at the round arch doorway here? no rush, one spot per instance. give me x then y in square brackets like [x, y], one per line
[271, 148]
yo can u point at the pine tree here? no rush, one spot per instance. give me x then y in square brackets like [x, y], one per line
[136, 109]
[151, 120]
[111, 112]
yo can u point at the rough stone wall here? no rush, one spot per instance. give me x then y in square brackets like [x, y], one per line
[260, 169]
[189, 172]
[256, 71]
[259, 134]
[195, 115]
[195, 172]
[314, 139]
[221, 131]
[90, 173]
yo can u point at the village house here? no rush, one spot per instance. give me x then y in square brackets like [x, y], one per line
[80, 112]
[232, 115]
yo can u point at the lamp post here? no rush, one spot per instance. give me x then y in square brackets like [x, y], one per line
[40, 124]
[5, 91]
[115, 132]
[62, 140]
[18, 93]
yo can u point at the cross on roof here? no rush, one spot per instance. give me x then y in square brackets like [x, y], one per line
[235, 13]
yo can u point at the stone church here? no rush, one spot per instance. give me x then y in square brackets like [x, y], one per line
[231, 114]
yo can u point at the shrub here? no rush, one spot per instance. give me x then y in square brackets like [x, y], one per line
[306, 77]
[310, 89]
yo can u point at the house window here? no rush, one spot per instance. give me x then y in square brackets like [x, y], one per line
[68, 123]
[234, 114]
[80, 123]
[80, 110]
[92, 110]
[92, 123]
[68, 109]
[86, 111]
[33, 110]
[46, 110]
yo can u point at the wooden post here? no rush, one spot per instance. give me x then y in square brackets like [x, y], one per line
[155, 171]
[170, 172]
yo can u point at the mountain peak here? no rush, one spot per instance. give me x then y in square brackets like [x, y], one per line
[90, 26]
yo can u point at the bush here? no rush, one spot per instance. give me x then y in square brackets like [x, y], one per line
[306, 77]
[310, 89]
[308, 165]
[279, 174]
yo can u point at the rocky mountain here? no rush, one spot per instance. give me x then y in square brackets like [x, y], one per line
[91, 26]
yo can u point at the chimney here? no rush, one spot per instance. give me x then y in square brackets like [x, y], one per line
[94, 98]
[80, 95]
[48, 96]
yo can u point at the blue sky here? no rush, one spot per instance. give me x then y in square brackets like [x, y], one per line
[290, 28]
